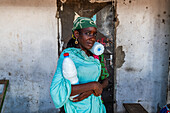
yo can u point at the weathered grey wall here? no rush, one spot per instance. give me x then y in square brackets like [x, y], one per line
[28, 54]
[168, 95]
[143, 35]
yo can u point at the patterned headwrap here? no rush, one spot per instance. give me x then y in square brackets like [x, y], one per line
[83, 22]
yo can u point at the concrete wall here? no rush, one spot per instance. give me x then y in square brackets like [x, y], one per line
[168, 96]
[143, 34]
[28, 54]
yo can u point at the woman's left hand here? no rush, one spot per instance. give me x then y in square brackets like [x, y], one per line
[82, 96]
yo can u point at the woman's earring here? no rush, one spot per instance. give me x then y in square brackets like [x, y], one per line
[76, 42]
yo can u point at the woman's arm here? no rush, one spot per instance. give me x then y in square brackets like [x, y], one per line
[105, 83]
[86, 94]
[82, 96]
[81, 88]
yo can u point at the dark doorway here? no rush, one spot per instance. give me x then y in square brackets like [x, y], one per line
[103, 14]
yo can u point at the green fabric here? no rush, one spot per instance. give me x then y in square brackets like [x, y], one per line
[104, 72]
[88, 70]
[83, 22]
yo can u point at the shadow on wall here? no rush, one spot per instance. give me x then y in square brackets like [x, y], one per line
[161, 47]
[30, 79]
[29, 105]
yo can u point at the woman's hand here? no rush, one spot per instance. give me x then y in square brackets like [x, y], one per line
[82, 96]
[98, 88]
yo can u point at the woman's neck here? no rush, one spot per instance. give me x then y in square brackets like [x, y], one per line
[85, 50]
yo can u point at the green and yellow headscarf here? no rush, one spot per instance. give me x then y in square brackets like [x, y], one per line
[83, 22]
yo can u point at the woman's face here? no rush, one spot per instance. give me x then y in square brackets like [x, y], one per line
[87, 38]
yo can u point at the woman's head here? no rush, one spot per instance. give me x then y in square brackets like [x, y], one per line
[85, 31]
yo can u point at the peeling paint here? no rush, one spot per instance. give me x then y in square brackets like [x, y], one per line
[120, 56]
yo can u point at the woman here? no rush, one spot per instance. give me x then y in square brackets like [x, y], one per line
[88, 72]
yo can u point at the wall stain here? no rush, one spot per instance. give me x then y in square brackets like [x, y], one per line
[9, 73]
[19, 42]
[124, 2]
[163, 21]
[130, 69]
[120, 56]
[20, 60]
[159, 15]
[10, 34]
[139, 100]
[17, 35]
